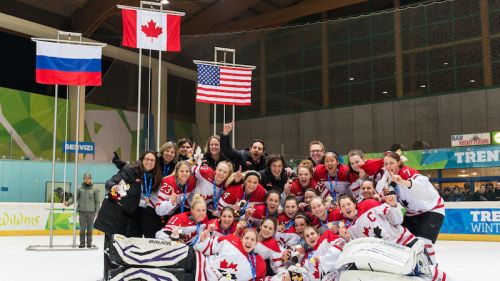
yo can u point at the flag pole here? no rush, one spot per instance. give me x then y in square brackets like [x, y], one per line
[149, 104]
[54, 140]
[215, 105]
[158, 106]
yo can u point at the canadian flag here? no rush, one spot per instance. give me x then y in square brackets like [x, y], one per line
[151, 30]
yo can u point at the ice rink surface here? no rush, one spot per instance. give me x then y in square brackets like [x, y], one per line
[464, 261]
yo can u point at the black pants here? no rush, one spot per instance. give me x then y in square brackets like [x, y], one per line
[108, 265]
[150, 222]
[426, 225]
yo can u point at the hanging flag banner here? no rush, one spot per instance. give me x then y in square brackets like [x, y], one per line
[145, 29]
[224, 85]
[68, 64]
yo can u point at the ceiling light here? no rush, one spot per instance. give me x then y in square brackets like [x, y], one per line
[472, 81]
[422, 86]
[351, 79]
[445, 63]
[164, 2]
[384, 92]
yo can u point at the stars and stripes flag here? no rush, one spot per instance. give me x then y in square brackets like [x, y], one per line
[224, 84]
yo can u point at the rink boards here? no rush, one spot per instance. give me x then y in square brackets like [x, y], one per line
[466, 221]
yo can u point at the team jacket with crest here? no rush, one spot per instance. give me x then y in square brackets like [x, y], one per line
[333, 217]
[186, 222]
[298, 190]
[259, 214]
[289, 237]
[374, 170]
[328, 249]
[270, 250]
[337, 182]
[421, 197]
[219, 231]
[236, 192]
[225, 257]
[169, 186]
[205, 186]
[380, 221]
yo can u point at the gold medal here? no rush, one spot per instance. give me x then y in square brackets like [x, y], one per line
[146, 200]
[312, 260]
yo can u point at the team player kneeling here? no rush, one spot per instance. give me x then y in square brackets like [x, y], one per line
[369, 220]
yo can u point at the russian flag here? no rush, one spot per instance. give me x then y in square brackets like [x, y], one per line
[68, 64]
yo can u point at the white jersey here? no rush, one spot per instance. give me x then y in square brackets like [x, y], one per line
[270, 250]
[205, 186]
[327, 250]
[421, 197]
[225, 257]
[380, 221]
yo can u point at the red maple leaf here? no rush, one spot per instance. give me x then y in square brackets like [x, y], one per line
[151, 30]
[224, 264]
[366, 232]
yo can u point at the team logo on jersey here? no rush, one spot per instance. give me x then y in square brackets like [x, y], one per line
[228, 269]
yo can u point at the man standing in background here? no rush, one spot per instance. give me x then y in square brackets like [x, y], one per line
[88, 205]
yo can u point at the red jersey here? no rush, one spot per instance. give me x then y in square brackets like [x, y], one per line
[333, 217]
[289, 237]
[235, 193]
[190, 229]
[298, 190]
[169, 185]
[336, 182]
[259, 214]
[219, 231]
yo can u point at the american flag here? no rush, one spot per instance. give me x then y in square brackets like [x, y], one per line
[224, 85]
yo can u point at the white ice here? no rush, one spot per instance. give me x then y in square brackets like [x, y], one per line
[464, 261]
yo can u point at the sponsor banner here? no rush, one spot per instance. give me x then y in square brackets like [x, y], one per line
[471, 139]
[472, 221]
[448, 158]
[34, 216]
[83, 147]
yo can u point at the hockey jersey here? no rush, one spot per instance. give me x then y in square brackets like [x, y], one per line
[169, 186]
[235, 193]
[205, 186]
[421, 197]
[298, 190]
[321, 258]
[190, 229]
[270, 250]
[259, 214]
[289, 237]
[225, 257]
[374, 170]
[219, 231]
[380, 221]
[333, 217]
[327, 183]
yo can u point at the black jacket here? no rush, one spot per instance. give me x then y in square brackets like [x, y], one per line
[269, 182]
[117, 217]
[241, 157]
[207, 160]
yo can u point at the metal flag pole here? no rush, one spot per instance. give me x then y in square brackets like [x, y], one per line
[158, 107]
[149, 103]
[54, 141]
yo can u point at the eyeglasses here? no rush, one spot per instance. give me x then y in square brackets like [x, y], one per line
[186, 146]
[149, 160]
